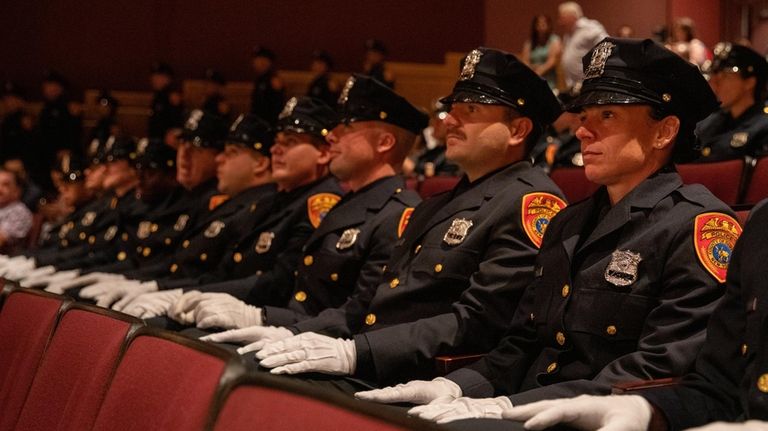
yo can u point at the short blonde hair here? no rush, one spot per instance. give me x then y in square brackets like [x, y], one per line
[570, 8]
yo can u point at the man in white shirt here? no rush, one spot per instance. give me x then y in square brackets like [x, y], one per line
[580, 35]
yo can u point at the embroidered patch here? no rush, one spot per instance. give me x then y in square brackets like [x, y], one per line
[347, 239]
[457, 231]
[216, 200]
[537, 210]
[318, 206]
[715, 234]
[404, 219]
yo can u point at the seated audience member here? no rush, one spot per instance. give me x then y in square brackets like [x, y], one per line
[15, 217]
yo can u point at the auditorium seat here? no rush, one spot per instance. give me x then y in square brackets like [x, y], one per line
[723, 179]
[757, 189]
[164, 381]
[434, 185]
[76, 369]
[573, 183]
[27, 320]
[412, 184]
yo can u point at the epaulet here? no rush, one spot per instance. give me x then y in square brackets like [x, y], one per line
[537, 209]
[404, 218]
[714, 235]
[318, 206]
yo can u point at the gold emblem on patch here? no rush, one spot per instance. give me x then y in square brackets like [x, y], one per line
[265, 242]
[715, 234]
[214, 229]
[470, 63]
[181, 223]
[144, 230]
[347, 239]
[597, 61]
[622, 269]
[88, 218]
[345, 91]
[739, 139]
[318, 206]
[458, 231]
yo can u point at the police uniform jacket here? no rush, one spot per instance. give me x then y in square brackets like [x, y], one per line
[50, 239]
[730, 379]
[165, 114]
[723, 137]
[452, 281]
[348, 250]
[619, 295]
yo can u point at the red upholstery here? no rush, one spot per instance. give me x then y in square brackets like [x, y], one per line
[573, 183]
[412, 184]
[758, 184]
[74, 374]
[723, 179]
[434, 185]
[27, 320]
[742, 215]
[160, 385]
[251, 407]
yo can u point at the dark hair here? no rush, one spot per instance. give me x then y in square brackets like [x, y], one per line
[535, 41]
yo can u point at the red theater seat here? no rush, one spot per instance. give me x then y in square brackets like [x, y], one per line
[434, 185]
[723, 179]
[757, 189]
[27, 320]
[573, 183]
[76, 369]
[164, 382]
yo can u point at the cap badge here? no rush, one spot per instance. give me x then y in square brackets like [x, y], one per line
[264, 242]
[65, 163]
[458, 231]
[288, 109]
[739, 139]
[142, 147]
[181, 223]
[214, 229]
[722, 50]
[110, 142]
[237, 122]
[347, 239]
[194, 119]
[470, 63]
[345, 91]
[93, 148]
[597, 62]
[622, 270]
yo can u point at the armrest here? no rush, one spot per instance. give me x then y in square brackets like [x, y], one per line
[626, 387]
[446, 364]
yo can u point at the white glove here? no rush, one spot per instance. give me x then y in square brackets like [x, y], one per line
[416, 392]
[257, 336]
[183, 309]
[19, 270]
[309, 352]
[45, 280]
[105, 293]
[40, 272]
[129, 292]
[735, 426]
[586, 412]
[222, 310]
[150, 304]
[444, 410]
[9, 263]
[83, 280]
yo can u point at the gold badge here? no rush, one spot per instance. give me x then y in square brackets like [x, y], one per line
[470, 63]
[597, 63]
[88, 218]
[193, 122]
[458, 231]
[288, 108]
[110, 233]
[318, 206]
[181, 223]
[145, 228]
[347, 239]
[214, 229]
[622, 270]
[264, 242]
[739, 139]
[345, 92]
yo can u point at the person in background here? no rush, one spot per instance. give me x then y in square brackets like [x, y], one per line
[215, 103]
[268, 94]
[167, 107]
[685, 44]
[625, 31]
[580, 35]
[430, 160]
[375, 63]
[323, 86]
[106, 125]
[543, 50]
[15, 217]
[58, 125]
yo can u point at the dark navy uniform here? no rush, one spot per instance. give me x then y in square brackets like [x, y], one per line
[167, 113]
[268, 95]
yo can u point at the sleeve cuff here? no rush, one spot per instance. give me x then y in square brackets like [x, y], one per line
[472, 383]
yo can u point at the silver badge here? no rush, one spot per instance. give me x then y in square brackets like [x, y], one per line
[237, 122]
[288, 109]
[577, 159]
[347, 239]
[88, 218]
[108, 145]
[110, 233]
[194, 119]
[93, 148]
[458, 231]
[145, 228]
[597, 62]
[142, 147]
[722, 50]
[622, 270]
[214, 229]
[739, 139]
[345, 92]
[264, 242]
[64, 230]
[181, 223]
[470, 62]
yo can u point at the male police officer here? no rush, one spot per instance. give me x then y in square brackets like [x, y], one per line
[466, 255]
[625, 280]
[740, 128]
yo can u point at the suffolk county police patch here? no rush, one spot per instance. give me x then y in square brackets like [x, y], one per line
[404, 219]
[537, 210]
[318, 206]
[715, 234]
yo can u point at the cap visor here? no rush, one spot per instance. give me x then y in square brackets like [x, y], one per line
[602, 97]
[468, 96]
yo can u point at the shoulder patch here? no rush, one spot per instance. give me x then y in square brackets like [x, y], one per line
[318, 206]
[715, 234]
[216, 200]
[404, 218]
[536, 212]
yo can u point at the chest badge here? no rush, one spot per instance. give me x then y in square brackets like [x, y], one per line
[214, 229]
[88, 218]
[264, 242]
[181, 223]
[622, 270]
[739, 139]
[347, 239]
[145, 228]
[110, 233]
[458, 231]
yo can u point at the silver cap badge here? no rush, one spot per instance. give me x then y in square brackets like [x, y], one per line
[597, 62]
[265, 242]
[345, 91]
[214, 229]
[288, 108]
[470, 63]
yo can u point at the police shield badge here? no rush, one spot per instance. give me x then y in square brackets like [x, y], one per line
[110, 233]
[598, 59]
[265, 242]
[214, 229]
[739, 139]
[715, 234]
[347, 239]
[622, 269]
[88, 218]
[181, 223]
[457, 231]
[144, 229]
[470, 63]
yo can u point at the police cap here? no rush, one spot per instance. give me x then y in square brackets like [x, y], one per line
[376, 46]
[307, 115]
[119, 148]
[153, 153]
[204, 130]
[324, 56]
[251, 131]
[737, 58]
[493, 77]
[72, 168]
[364, 98]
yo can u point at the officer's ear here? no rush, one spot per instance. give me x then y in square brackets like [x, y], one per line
[385, 141]
[519, 129]
[666, 132]
[324, 156]
[260, 165]
[751, 82]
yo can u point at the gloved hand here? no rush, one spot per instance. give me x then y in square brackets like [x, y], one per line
[733, 426]
[83, 280]
[105, 293]
[9, 263]
[586, 412]
[444, 410]
[129, 292]
[45, 280]
[183, 310]
[19, 270]
[310, 352]
[416, 392]
[150, 304]
[40, 272]
[222, 310]
[257, 336]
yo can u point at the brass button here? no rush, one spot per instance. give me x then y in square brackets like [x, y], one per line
[566, 290]
[124, 237]
[121, 256]
[551, 367]
[237, 257]
[91, 239]
[744, 349]
[203, 257]
[308, 260]
[417, 250]
[438, 267]
[394, 283]
[82, 235]
[185, 244]
[762, 383]
[610, 330]
[174, 268]
[154, 227]
[371, 319]
[300, 296]
[706, 151]
[146, 252]
[334, 277]
[560, 338]
[398, 190]
[167, 241]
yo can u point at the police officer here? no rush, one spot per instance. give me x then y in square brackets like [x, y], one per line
[106, 125]
[17, 125]
[431, 161]
[268, 93]
[375, 63]
[215, 102]
[60, 129]
[625, 280]
[323, 86]
[467, 254]
[167, 107]
[738, 77]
